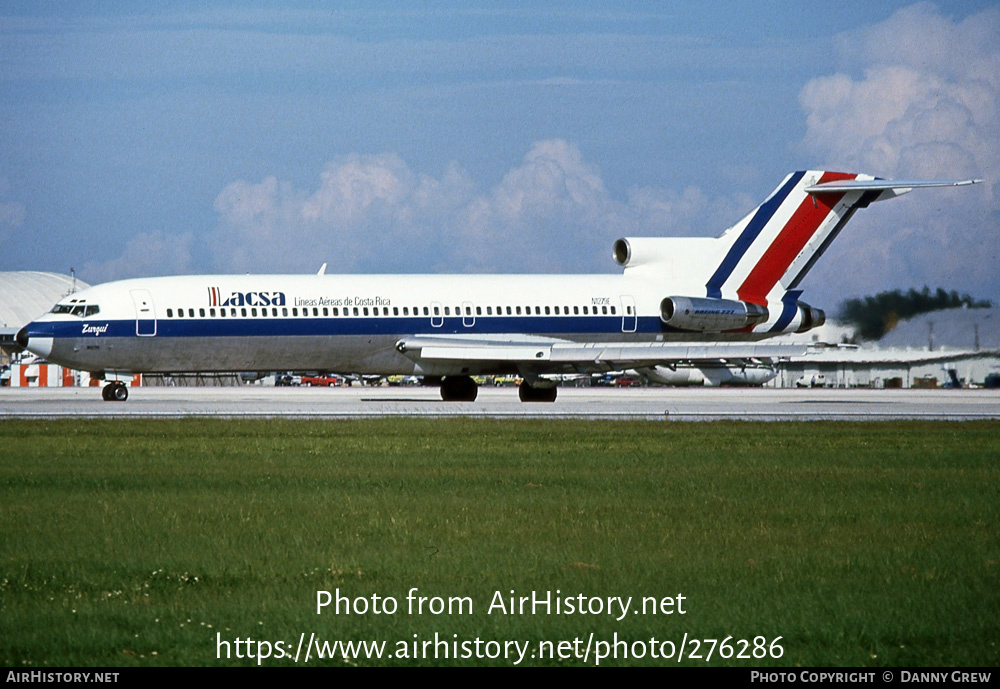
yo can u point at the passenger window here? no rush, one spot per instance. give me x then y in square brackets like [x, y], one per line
[489, 310]
[191, 313]
[547, 311]
[201, 312]
[244, 311]
[253, 312]
[614, 311]
[356, 312]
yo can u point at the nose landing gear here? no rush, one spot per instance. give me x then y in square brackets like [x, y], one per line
[115, 392]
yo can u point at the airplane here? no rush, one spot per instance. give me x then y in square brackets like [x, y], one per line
[712, 373]
[677, 299]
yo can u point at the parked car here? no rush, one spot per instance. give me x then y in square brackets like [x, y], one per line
[628, 382]
[327, 380]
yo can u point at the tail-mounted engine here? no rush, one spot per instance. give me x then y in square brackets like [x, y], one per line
[705, 314]
[710, 315]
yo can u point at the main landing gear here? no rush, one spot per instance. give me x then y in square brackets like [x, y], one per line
[115, 392]
[459, 389]
[527, 393]
[464, 389]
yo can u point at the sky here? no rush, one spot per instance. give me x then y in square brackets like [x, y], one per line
[141, 138]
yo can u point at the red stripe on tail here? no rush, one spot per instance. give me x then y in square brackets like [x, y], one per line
[786, 246]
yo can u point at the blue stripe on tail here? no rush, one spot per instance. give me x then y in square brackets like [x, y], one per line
[749, 234]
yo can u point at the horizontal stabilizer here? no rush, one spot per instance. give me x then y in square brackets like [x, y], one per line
[842, 185]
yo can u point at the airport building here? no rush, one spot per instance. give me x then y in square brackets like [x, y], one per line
[936, 349]
[848, 367]
[25, 295]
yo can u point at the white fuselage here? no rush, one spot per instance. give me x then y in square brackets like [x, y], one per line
[342, 323]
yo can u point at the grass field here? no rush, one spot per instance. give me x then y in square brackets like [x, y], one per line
[137, 542]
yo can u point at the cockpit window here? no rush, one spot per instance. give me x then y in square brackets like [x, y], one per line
[77, 309]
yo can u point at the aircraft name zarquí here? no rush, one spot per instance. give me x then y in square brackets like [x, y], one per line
[95, 330]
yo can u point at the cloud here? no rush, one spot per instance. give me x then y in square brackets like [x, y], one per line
[374, 213]
[12, 214]
[926, 105]
[147, 254]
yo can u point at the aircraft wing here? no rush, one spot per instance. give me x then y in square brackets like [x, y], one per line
[541, 354]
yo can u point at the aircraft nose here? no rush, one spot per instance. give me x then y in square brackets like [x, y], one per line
[22, 338]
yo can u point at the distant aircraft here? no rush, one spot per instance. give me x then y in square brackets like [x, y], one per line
[712, 373]
[677, 300]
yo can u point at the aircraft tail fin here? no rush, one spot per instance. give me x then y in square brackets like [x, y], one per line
[765, 255]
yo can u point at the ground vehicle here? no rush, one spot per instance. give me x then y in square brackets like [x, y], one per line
[325, 380]
[628, 382]
[811, 381]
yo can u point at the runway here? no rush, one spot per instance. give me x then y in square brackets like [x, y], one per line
[669, 404]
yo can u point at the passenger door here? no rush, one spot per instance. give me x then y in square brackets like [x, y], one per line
[145, 313]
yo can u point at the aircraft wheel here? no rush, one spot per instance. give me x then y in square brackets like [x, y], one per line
[106, 392]
[115, 392]
[529, 394]
[459, 389]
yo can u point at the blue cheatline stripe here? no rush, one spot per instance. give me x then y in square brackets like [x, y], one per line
[332, 327]
[788, 311]
[750, 233]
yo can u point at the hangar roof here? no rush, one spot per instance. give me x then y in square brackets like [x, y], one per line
[953, 328]
[26, 295]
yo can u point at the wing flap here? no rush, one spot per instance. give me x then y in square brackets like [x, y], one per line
[558, 354]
